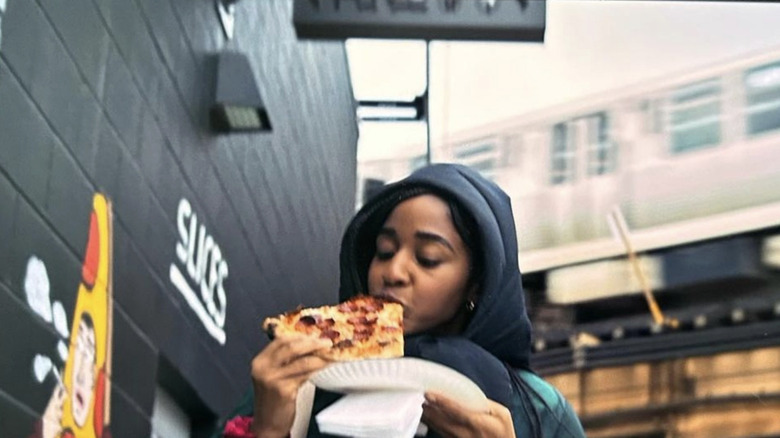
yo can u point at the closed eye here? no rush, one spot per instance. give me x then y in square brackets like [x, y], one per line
[428, 263]
[384, 255]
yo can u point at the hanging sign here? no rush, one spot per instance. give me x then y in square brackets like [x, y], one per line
[497, 20]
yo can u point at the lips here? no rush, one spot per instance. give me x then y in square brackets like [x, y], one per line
[389, 296]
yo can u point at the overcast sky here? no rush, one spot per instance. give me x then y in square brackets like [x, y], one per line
[591, 46]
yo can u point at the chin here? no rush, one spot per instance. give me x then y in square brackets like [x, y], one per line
[411, 330]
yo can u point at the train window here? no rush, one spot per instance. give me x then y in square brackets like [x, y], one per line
[762, 93]
[562, 155]
[694, 116]
[653, 115]
[601, 150]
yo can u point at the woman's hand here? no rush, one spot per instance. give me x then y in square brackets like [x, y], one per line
[277, 374]
[451, 419]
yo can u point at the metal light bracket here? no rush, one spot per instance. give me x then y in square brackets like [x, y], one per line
[226, 10]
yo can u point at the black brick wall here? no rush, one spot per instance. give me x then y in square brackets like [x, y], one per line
[112, 96]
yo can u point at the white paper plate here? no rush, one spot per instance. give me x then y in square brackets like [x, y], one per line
[400, 373]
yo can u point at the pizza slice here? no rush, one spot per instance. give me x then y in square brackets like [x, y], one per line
[362, 327]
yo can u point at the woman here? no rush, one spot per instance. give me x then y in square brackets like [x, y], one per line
[443, 243]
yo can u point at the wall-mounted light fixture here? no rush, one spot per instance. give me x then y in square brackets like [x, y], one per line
[392, 111]
[226, 10]
[237, 102]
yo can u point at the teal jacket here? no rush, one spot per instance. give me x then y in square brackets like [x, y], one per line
[555, 416]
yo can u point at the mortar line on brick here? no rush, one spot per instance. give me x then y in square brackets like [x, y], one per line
[19, 405]
[53, 229]
[229, 150]
[145, 98]
[179, 93]
[124, 146]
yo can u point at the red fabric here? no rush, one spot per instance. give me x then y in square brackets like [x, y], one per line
[92, 255]
[37, 430]
[98, 407]
[238, 427]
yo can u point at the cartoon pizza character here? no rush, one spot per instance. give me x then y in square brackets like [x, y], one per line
[80, 404]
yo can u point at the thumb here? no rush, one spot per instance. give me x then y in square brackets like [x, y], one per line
[451, 409]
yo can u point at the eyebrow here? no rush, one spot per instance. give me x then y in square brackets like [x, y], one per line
[422, 235]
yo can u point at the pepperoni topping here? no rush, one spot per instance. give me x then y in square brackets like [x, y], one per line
[348, 306]
[362, 332]
[330, 334]
[346, 343]
[310, 319]
[325, 323]
[363, 329]
[361, 336]
[301, 326]
[373, 306]
[362, 320]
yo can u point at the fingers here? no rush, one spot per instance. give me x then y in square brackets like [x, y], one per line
[277, 374]
[451, 419]
[445, 416]
[285, 349]
[289, 357]
[305, 366]
[499, 411]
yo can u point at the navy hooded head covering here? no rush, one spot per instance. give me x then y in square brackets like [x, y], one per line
[498, 333]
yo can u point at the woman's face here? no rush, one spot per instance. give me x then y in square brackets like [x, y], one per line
[422, 262]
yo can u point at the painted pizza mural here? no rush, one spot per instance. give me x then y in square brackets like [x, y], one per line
[80, 404]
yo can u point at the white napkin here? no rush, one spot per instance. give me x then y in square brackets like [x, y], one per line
[379, 414]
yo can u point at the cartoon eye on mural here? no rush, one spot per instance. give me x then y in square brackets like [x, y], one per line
[80, 403]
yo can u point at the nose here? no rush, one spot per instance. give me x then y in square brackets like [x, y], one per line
[396, 272]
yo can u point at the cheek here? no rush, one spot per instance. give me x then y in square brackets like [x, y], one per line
[440, 296]
[374, 278]
[436, 308]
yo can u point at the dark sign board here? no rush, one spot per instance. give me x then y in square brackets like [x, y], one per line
[498, 20]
